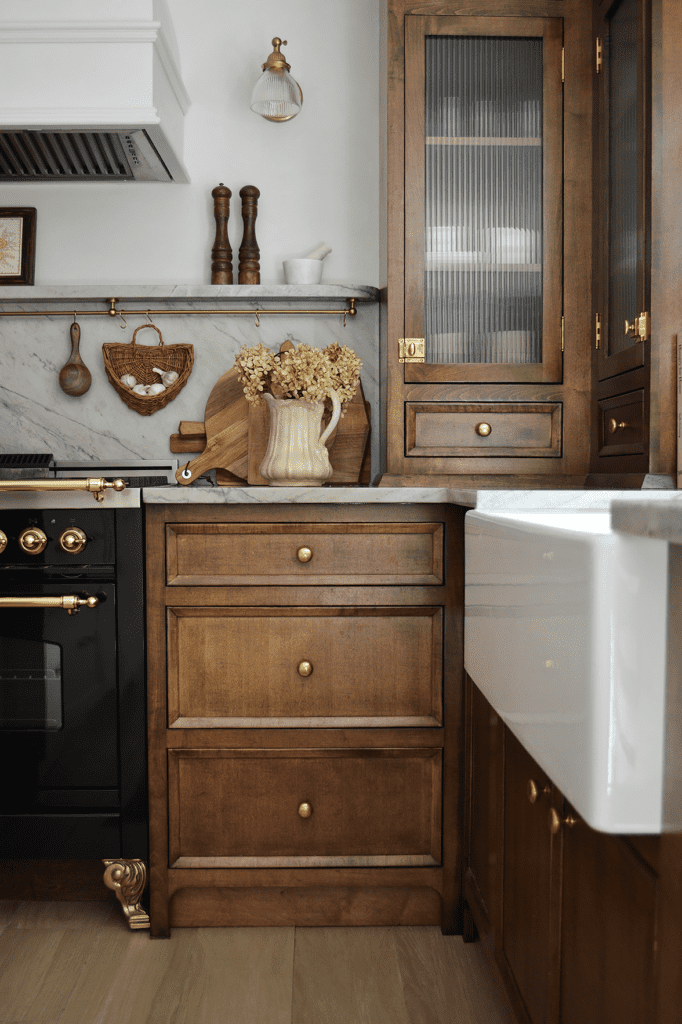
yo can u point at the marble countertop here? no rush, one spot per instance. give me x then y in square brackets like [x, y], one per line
[661, 519]
[493, 500]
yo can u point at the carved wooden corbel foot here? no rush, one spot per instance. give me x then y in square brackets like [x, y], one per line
[128, 878]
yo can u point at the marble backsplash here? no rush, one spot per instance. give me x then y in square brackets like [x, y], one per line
[36, 415]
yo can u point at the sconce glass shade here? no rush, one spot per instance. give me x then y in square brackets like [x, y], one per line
[276, 96]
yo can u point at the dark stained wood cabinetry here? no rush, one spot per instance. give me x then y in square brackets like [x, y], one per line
[569, 914]
[305, 709]
[488, 240]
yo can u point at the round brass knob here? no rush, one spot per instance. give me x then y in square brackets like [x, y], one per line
[73, 540]
[3, 541]
[305, 810]
[533, 791]
[305, 669]
[555, 821]
[483, 429]
[91, 602]
[614, 425]
[304, 554]
[32, 540]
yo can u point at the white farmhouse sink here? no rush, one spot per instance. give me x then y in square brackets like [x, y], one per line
[565, 635]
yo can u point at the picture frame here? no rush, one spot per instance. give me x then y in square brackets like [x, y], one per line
[17, 244]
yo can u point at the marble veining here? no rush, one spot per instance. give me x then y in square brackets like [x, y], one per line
[307, 495]
[169, 292]
[36, 415]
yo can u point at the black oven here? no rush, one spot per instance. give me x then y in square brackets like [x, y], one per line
[72, 683]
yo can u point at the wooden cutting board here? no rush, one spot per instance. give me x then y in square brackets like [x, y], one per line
[227, 432]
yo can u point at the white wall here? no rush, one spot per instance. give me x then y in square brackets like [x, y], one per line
[318, 175]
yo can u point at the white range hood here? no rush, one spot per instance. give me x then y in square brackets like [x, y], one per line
[90, 90]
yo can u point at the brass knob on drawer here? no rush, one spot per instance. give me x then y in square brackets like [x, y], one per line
[73, 540]
[3, 541]
[32, 540]
[533, 791]
[304, 554]
[483, 429]
[305, 668]
[305, 810]
[614, 425]
[555, 821]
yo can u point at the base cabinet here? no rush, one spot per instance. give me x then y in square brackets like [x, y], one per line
[305, 713]
[571, 914]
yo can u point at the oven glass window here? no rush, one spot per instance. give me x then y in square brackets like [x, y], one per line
[30, 684]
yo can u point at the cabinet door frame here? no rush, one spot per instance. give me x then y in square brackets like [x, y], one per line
[550, 30]
[635, 355]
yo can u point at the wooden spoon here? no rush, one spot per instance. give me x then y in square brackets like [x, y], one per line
[74, 376]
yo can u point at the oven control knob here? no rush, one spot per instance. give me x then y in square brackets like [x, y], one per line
[3, 541]
[32, 540]
[73, 540]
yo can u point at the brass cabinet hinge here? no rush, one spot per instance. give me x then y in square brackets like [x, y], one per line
[563, 69]
[562, 334]
[599, 56]
[597, 330]
[411, 350]
[643, 322]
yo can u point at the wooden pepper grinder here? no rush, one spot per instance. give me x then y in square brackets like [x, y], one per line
[249, 253]
[221, 267]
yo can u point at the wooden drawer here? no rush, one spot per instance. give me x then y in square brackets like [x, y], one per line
[240, 808]
[621, 424]
[516, 430]
[241, 667]
[231, 554]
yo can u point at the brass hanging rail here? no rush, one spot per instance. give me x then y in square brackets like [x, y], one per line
[349, 310]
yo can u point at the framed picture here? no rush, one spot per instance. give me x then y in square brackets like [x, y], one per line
[17, 244]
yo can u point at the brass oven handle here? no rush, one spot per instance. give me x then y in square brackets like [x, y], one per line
[96, 485]
[71, 602]
[3, 541]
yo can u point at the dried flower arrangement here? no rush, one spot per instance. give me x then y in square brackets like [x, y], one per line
[301, 372]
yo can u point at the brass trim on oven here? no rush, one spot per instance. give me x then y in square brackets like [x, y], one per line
[96, 485]
[70, 602]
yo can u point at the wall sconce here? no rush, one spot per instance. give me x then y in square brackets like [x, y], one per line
[277, 96]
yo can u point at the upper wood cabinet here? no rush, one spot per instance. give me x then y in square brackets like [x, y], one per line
[623, 58]
[488, 231]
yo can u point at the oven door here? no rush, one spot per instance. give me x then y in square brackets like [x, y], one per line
[58, 723]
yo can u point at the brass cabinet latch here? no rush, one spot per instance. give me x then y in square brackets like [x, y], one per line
[411, 350]
[639, 328]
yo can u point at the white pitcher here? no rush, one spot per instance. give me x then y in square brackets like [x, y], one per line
[296, 455]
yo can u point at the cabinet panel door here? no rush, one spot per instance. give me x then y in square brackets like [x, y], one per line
[304, 808]
[483, 154]
[528, 944]
[608, 934]
[624, 154]
[304, 667]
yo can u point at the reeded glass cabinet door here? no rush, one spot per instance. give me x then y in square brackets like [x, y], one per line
[624, 179]
[483, 198]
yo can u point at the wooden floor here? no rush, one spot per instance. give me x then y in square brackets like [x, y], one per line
[77, 963]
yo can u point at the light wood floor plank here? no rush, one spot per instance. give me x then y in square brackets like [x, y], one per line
[347, 976]
[200, 976]
[447, 981]
[65, 914]
[244, 975]
[38, 970]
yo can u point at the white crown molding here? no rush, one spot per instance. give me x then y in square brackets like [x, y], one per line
[80, 117]
[79, 32]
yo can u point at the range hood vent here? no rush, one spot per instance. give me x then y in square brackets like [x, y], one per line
[94, 96]
[83, 156]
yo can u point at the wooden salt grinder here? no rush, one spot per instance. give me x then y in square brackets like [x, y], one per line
[249, 253]
[221, 267]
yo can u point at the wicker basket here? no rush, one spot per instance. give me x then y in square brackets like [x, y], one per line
[140, 360]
